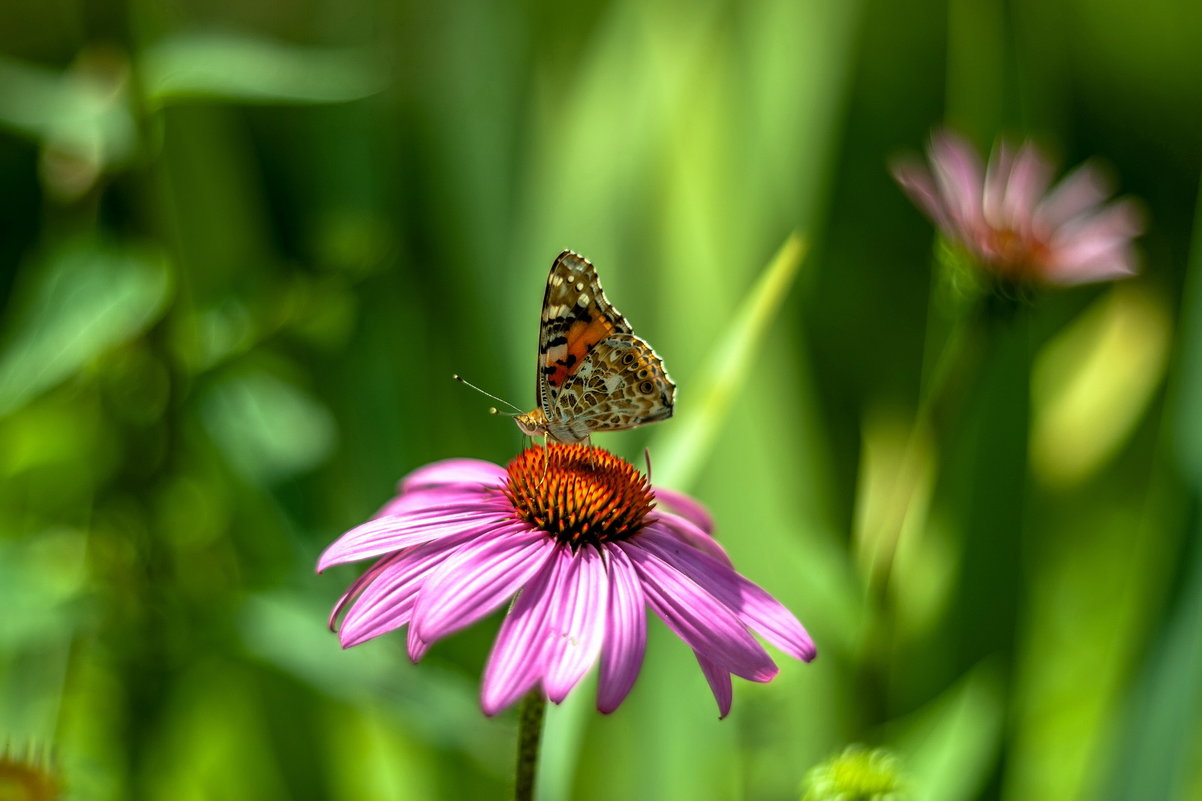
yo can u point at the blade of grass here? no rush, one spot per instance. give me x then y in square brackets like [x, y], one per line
[680, 450]
[1156, 747]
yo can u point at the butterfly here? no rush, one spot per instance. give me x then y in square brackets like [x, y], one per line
[594, 374]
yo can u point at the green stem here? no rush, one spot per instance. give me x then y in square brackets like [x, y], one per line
[947, 347]
[938, 376]
[530, 732]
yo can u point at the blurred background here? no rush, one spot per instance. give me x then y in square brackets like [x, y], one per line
[243, 247]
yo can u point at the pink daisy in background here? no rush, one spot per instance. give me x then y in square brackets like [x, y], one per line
[575, 534]
[1016, 225]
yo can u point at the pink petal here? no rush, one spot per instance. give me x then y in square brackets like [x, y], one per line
[470, 472]
[751, 603]
[1079, 254]
[1076, 194]
[577, 623]
[1096, 247]
[997, 176]
[477, 579]
[426, 498]
[387, 602]
[704, 623]
[415, 646]
[690, 535]
[686, 507]
[917, 182]
[384, 607]
[387, 534]
[957, 170]
[1119, 220]
[517, 662]
[1119, 263]
[719, 681]
[1028, 181]
[358, 584]
[625, 633]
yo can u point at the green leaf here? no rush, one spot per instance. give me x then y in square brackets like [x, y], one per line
[1093, 383]
[42, 581]
[436, 702]
[85, 298]
[83, 111]
[949, 746]
[237, 68]
[1188, 389]
[267, 428]
[681, 450]
[1157, 740]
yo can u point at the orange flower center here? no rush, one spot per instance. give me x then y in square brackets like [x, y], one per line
[1016, 254]
[27, 778]
[578, 494]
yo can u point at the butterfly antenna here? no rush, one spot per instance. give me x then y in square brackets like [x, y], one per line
[492, 410]
[647, 459]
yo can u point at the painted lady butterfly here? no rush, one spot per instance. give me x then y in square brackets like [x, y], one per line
[594, 374]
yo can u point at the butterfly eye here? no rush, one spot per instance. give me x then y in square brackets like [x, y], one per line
[646, 387]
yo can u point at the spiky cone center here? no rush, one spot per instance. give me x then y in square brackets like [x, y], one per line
[1016, 254]
[579, 494]
[27, 778]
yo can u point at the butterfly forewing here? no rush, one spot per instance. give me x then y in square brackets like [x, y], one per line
[576, 316]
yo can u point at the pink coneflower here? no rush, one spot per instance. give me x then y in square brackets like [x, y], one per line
[575, 534]
[1014, 223]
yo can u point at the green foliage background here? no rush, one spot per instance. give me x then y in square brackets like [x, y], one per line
[245, 245]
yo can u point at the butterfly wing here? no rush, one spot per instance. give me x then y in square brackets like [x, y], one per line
[621, 384]
[576, 318]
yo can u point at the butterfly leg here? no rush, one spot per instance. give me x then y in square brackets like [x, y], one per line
[546, 459]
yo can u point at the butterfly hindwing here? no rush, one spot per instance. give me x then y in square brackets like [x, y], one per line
[622, 384]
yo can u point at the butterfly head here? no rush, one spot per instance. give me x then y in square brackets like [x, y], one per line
[533, 424]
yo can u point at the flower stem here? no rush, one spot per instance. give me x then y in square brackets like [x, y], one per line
[947, 345]
[954, 349]
[530, 732]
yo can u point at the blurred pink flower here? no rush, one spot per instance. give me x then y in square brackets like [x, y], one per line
[1017, 226]
[574, 533]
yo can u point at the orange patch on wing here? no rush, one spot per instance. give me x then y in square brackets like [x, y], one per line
[581, 336]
